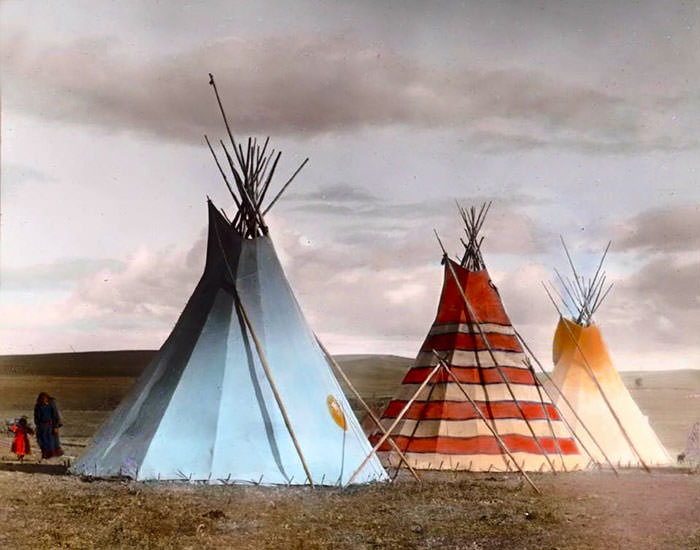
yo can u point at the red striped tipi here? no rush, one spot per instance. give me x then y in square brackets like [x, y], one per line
[441, 429]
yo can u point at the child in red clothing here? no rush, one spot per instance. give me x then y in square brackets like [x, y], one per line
[20, 444]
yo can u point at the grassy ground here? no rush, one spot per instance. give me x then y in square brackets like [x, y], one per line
[90, 363]
[471, 512]
[458, 511]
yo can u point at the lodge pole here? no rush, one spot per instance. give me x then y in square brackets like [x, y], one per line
[476, 321]
[481, 415]
[376, 421]
[263, 360]
[566, 401]
[393, 425]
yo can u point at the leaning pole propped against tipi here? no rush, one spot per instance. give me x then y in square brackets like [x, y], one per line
[587, 378]
[241, 390]
[484, 409]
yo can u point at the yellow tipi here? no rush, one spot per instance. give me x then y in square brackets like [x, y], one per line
[586, 376]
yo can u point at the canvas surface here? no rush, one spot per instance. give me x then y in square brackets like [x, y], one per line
[575, 348]
[441, 428]
[204, 409]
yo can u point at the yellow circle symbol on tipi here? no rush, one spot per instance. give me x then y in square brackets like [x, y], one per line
[336, 412]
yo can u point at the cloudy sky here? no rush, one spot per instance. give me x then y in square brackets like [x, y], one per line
[579, 119]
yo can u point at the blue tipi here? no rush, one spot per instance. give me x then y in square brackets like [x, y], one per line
[241, 391]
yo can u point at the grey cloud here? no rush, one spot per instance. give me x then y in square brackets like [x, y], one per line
[500, 142]
[18, 174]
[317, 84]
[56, 275]
[338, 193]
[657, 308]
[384, 278]
[671, 229]
[367, 222]
[153, 284]
[666, 284]
[386, 287]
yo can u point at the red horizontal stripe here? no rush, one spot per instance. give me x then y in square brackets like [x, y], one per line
[472, 342]
[470, 375]
[463, 410]
[480, 444]
[423, 364]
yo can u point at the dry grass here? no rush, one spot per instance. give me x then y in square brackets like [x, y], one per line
[459, 511]
[89, 363]
[474, 512]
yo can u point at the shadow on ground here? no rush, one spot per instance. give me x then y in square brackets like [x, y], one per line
[34, 468]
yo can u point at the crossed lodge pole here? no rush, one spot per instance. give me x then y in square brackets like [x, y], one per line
[500, 371]
[374, 418]
[393, 425]
[568, 403]
[595, 380]
[481, 415]
[476, 321]
[442, 365]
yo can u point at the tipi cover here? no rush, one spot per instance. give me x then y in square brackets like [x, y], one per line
[441, 429]
[586, 376]
[205, 408]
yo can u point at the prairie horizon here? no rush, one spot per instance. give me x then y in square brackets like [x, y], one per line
[88, 385]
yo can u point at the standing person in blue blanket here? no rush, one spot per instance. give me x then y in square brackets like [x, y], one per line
[47, 421]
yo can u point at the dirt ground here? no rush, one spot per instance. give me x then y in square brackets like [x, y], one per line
[44, 509]
[41, 507]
